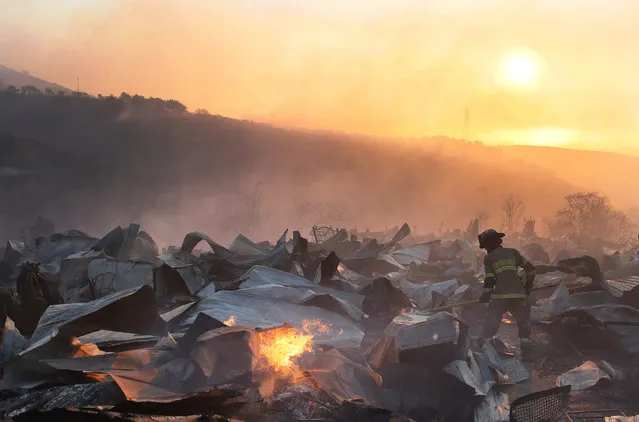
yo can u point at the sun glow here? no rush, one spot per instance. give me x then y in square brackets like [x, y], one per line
[519, 69]
[540, 136]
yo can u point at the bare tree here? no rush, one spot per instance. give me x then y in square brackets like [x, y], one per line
[621, 226]
[583, 211]
[331, 213]
[590, 213]
[513, 209]
[482, 218]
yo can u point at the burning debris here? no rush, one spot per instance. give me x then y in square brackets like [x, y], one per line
[280, 346]
[279, 351]
[341, 329]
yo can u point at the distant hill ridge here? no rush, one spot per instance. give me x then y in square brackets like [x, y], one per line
[18, 79]
[147, 160]
[89, 162]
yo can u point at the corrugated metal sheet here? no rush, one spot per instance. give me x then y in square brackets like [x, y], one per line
[418, 254]
[132, 310]
[172, 270]
[622, 286]
[193, 277]
[74, 269]
[554, 278]
[583, 300]
[620, 319]
[421, 336]
[245, 246]
[631, 269]
[192, 239]
[110, 276]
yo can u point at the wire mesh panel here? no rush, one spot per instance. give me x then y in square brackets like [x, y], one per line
[323, 233]
[542, 406]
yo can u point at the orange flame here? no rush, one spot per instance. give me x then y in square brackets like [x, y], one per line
[280, 346]
[230, 322]
[278, 349]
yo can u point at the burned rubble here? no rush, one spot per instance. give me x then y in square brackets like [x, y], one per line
[339, 326]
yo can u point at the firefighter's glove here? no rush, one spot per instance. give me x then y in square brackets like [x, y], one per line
[485, 297]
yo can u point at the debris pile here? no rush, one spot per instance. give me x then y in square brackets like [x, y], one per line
[343, 327]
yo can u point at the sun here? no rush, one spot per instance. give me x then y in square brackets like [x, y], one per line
[519, 69]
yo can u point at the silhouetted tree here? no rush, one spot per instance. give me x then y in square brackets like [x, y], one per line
[590, 213]
[202, 111]
[175, 106]
[125, 97]
[49, 92]
[156, 104]
[110, 107]
[30, 90]
[12, 89]
[138, 100]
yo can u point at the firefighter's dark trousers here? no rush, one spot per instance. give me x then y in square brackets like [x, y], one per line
[519, 309]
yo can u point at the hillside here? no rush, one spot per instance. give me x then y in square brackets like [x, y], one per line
[610, 173]
[615, 174]
[9, 76]
[107, 161]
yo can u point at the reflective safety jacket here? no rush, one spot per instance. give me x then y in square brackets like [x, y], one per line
[501, 279]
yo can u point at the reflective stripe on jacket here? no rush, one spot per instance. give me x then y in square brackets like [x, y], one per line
[501, 266]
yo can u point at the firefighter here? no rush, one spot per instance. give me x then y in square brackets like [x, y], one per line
[503, 289]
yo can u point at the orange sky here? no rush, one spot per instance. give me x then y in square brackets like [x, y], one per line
[389, 68]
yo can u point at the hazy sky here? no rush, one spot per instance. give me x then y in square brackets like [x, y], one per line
[383, 67]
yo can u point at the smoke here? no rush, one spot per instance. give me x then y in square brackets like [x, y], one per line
[222, 177]
[383, 68]
[408, 68]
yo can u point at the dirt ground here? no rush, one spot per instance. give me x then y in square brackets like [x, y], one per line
[560, 347]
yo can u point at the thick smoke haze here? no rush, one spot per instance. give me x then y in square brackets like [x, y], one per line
[92, 164]
[405, 68]
[410, 75]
